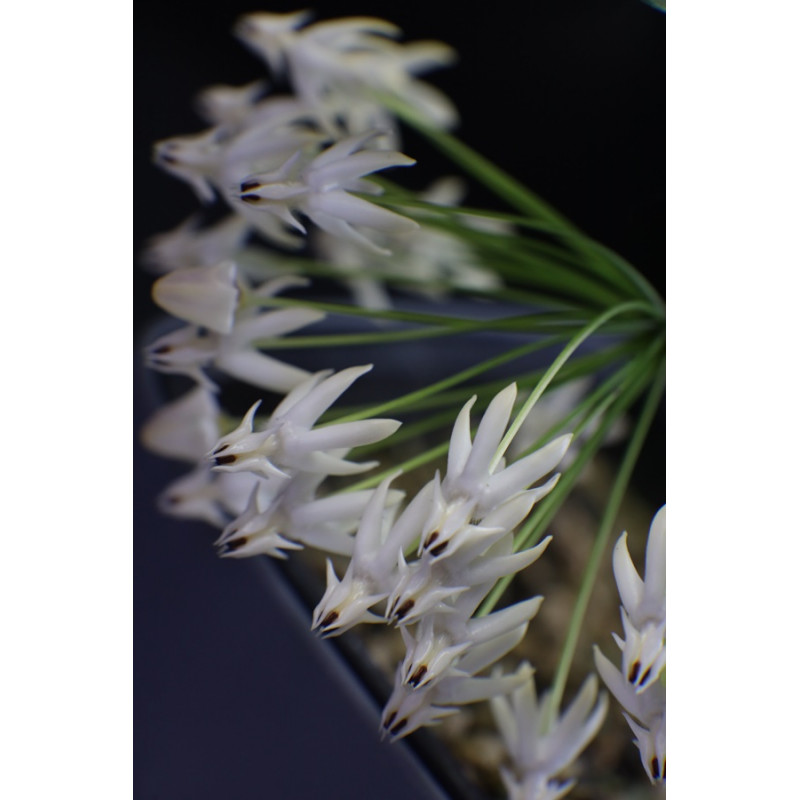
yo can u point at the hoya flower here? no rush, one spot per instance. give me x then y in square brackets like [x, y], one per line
[289, 442]
[206, 296]
[409, 708]
[190, 350]
[188, 245]
[645, 712]
[539, 754]
[372, 571]
[321, 190]
[185, 428]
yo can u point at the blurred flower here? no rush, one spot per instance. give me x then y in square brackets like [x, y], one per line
[337, 64]
[190, 350]
[429, 261]
[202, 495]
[206, 296]
[539, 754]
[553, 407]
[320, 190]
[185, 428]
[191, 246]
[229, 105]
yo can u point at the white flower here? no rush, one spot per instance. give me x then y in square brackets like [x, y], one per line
[644, 605]
[424, 258]
[206, 296]
[188, 351]
[472, 491]
[638, 688]
[468, 461]
[185, 428]
[425, 584]
[409, 708]
[289, 442]
[194, 158]
[646, 716]
[372, 571]
[320, 190]
[294, 519]
[441, 638]
[204, 496]
[216, 160]
[190, 246]
[229, 105]
[336, 64]
[539, 755]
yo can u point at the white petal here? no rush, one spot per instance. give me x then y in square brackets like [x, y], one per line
[356, 211]
[309, 408]
[261, 370]
[460, 440]
[346, 434]
[655, 575]
[630, 585]
[489, 433]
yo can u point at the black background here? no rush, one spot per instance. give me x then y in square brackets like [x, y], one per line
[569, 98]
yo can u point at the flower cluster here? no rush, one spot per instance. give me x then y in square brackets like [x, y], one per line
[637, 686]
[463, 527]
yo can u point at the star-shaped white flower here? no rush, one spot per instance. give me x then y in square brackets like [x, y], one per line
[321, 188]
[294, 518]
[290, 443]
[440, 638]
[372, 571]
[409, 708]
[425, 584]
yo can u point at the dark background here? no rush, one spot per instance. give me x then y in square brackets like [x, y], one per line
[232, 698]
